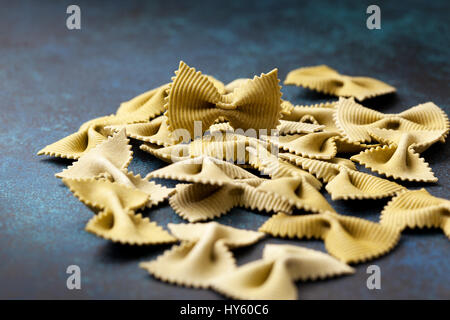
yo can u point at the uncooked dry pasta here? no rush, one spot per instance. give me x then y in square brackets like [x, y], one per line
[116, 220]
[317, 145]
[273, 276]
[199, 202]
[318, 114]
[214, 170]
[203, 255]
[110, 159]
[255, 104]
[349, 239]
[417, 209]
[93, 132]
[354, 120]
[206, 170]
[154, 131]
[327, 80]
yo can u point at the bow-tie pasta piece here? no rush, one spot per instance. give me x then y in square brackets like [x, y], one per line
[345, 146]
[399, 159]
[256, 104]
[355, 120]
[318, 114]
[169, 154]
[116, 220]
[297, 192]
[417, 209]
[155, 131]
[327, 80]
[145, 106]
[292, 127]
[91, 133]
[229, 147]
[199, 202]
[110, 159]
[419, 141]
[203, 255]
[205, 170]
[351, 184]
[75, 145]
[325, 170]
[318, 145]
[273, 277]
[267, 163]
[349, 239]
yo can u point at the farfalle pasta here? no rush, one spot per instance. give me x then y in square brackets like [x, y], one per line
[417, 209]
[275, 167]
[325, 170]
[273, 277]
[327, 80]
[93, 132]
[317, 114]
[399, 158]
[298, 192]
[203, 255]
[169, 154]
[344, 182]
[155, 131]
[354, 120]
[206, 170]
[349, 239]
[256, 104]
[110, 159]
[200, 202]
[317, 145]
[351, 184]
[216, 136]
[116, 220]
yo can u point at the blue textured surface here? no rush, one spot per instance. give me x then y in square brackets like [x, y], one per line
[53, 79]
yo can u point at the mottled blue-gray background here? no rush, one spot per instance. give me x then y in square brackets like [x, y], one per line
[53, 79]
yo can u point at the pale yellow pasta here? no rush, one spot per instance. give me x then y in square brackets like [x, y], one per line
[170, 154]
[93, 132]
[110, 159]
[116, 220]
[349, 239]
[145, 106]
[256, 104]
[317, 114]
[111, 156]
[354, 120]
[273, 277]
[351, 184]
[202, 256]
[322, 169]
[317, 145]
[345, 146]
[417, 209]
[205, 170]
[199, 202]
[327, 80]
[298, 192]
[399, 159]
[155, 131]
[291, 127]
[269, 164]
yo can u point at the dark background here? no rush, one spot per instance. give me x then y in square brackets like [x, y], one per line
[53, 80]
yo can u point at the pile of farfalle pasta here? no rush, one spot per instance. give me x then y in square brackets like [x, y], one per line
[210, 134]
